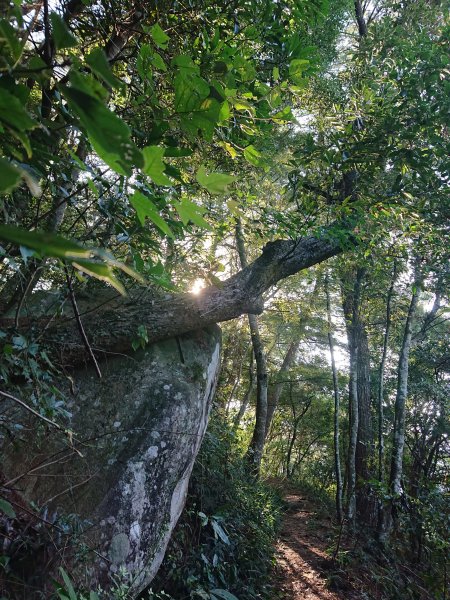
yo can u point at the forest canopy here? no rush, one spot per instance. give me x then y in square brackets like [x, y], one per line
[231, 157]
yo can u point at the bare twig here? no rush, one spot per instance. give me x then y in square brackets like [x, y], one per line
[31, 410]
[69, 489]
[80, 324]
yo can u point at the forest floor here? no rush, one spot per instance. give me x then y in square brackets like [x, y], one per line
[303, 565]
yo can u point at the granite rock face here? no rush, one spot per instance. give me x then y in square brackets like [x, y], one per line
[124, 476]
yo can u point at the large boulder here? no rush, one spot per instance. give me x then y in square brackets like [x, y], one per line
[119, 485]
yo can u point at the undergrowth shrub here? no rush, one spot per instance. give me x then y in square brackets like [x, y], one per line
[223, 545]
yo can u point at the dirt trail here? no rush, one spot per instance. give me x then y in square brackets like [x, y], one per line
[301, 559]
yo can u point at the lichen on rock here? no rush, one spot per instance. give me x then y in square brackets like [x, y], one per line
[125, 476]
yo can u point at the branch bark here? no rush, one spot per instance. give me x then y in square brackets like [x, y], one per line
[112, 329]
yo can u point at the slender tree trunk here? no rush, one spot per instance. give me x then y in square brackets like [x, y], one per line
[398, 443]
[288, 361]
[237, 379]
[381, 376]
[275, 390]
[293, 437]
[366, 504]
[302, 455]
[248, 393]
[337, 459]
[256, 447]
[360, 400]
[353, 437]
[351, 301]
[361, 21]
[402, 393]
[289, 471]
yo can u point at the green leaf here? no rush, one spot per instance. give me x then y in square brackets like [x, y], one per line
[233, 207]
[285, 115]
[225, 112]
[204, 120]
[177, 152]
[62, 35]
[218, 530]
[47, 244]
[160, 38]
[189, 211]
[108, 258]
[204, 519]
[100, 271]
[190, 90]
[154, 165]
[9, 36]
[13, 113]
[224, 594]
[230, 149]
[108, 134]
[143, 61]
[184, 61]
[99, 64]
[93, 188]
[253, 156]
[7, 508]
[296, 69]
[9, 176]
[80, 164]
[158, 62]
[68, 584]
[215, 183]
[144, 207]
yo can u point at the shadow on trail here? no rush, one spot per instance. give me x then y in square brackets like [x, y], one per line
[302, 560]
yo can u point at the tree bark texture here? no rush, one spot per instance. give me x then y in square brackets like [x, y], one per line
[402, 393]
[353, 436]
[381, 376]
[111, 329]
[337, 458]
[398, 442]
[360, 371]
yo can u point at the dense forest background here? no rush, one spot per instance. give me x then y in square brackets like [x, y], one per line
[281, 167]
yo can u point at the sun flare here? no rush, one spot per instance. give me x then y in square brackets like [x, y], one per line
[197, 286]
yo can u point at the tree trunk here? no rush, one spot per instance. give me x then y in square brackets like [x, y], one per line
[289, 471]
[353, 437]
[248, 393]
[360, 399]
[337, 458]
[398, 443]
[277, 388]
[351, 301]
[366, 505]
[381, 376]
[402, 393]
[361, 21]
[256, 447]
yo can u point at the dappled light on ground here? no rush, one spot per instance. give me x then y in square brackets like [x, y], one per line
[302, 562]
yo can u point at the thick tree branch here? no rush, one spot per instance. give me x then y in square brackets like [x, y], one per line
[112, 329]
